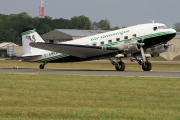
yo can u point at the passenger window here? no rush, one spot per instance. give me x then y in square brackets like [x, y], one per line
[117, 39]
[109, 41]
[126, 37]
[134, 35]
[102, 43]
[94, 44]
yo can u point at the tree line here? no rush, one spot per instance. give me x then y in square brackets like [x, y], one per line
[12, 25]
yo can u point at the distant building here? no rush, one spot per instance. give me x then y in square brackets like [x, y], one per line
[174, 49]
[4, 46]
[15, 51]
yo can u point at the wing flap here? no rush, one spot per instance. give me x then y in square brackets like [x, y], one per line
[82, 51]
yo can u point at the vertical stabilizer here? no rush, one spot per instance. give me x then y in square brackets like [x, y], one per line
[30, 35]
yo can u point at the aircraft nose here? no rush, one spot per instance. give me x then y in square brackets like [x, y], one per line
[173, 31]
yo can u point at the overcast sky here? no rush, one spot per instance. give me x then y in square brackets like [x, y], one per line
[118, 12]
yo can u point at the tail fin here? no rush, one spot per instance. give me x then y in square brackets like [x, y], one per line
[30, 35]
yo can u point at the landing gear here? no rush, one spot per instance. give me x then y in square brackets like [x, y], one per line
[119, 65]
[146, 66]
[41, 66]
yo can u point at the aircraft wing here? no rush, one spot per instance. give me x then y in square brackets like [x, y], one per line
[82, 51]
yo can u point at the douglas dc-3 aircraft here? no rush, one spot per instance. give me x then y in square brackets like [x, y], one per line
[137, 42]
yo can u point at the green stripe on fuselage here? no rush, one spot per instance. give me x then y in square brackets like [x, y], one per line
[138, 38]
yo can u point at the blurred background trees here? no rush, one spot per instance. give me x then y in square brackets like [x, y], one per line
[12, 25]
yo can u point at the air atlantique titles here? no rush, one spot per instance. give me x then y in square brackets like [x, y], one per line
[110, 35]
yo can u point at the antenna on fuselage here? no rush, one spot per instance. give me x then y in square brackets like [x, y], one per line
[152, 21]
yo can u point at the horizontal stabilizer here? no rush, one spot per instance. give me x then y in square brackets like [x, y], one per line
[31, 55]
[82, 51]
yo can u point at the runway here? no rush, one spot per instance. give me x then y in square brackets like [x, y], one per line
[92, 72]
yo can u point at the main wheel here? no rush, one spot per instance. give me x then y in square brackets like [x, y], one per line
[120, 66]
[41, 66]
[147, 66]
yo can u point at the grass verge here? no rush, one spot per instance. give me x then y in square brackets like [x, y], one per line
[57, 97]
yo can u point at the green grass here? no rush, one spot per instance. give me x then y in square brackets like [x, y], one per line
[54, 97]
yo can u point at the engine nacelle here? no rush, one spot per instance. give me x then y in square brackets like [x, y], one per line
[129, 47]
[159, 49]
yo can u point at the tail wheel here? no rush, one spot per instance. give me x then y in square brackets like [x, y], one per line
[41, 66]
[147, 66]
[120, 66]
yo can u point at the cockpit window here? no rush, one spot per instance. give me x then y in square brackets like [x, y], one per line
[162, 27]
[155, 28]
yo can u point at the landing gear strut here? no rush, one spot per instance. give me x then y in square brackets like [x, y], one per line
[41, 66]
[146, 65]
[119, 65]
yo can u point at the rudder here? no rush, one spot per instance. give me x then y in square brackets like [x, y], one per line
[30, 35]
